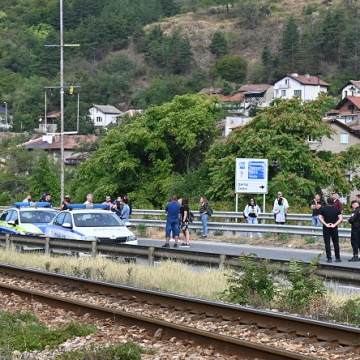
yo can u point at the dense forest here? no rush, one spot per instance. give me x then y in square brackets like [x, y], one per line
[138, 53]
[157, 55]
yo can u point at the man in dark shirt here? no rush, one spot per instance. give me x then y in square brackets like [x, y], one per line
[316, 205]
[172, 223]
[330, 216]
[354, 220]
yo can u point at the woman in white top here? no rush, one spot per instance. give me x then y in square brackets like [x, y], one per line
[252, 211]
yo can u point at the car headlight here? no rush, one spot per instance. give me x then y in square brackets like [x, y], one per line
[132, 237]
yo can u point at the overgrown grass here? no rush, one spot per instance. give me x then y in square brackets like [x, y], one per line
[24, 332]
[128, 351]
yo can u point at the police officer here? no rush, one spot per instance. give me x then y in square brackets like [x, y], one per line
[354, 220]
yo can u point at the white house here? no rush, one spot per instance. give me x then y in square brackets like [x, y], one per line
[103, 115]
[306, 86]
[352, 88]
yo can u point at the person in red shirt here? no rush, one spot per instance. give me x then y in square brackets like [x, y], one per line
[337, 202]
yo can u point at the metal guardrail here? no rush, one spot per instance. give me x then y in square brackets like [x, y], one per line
[241, 228]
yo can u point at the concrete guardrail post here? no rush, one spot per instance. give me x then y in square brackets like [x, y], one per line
[151, 256]
[93, 248]
[47, 246]
[222, 261]
[7, 242]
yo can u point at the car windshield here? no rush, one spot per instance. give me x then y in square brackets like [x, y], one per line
[97, 220]
[37, 216]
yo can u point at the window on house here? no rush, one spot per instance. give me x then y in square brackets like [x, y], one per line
[297, 93]
[286, 81]
[283, 92]
[312, 139]
[98, 119]
[344, 138]
[345, 93]
[276, 92]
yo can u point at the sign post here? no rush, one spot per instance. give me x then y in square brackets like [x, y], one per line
[251, 177]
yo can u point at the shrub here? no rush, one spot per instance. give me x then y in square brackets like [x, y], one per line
[253, 284]
[284, 237]
[141, 228]
[305, 285]
[218, 233]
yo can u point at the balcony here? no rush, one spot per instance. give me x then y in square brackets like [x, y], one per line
[283, 86]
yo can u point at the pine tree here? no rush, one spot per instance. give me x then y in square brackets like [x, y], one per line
[290, 44]
[218, 44]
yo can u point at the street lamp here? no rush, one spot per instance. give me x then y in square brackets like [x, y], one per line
[5, 114]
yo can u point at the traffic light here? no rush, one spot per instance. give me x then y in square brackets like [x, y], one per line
[71, 90]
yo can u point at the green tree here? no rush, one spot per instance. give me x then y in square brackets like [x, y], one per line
[231, 68]
[142, 157]
[280, 134]
[218, 45]
[290, 44]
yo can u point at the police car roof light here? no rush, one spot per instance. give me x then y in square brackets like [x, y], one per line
[88, 206]
[32, 204]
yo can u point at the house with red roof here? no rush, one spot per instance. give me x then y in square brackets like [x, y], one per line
[347, 110]
[72, 146]
[352, 88]
[307, 87]
[257, 95]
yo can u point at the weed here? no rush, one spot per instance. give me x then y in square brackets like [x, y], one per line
[350, 311]
[218, 233]
[141, 228]
[254, 284]
[47, 266]
[129, 276]
[268, 235]
[284, 237]
[127, 351]
[310, 240]
[23, 332]
[305, 285]
[87, 273]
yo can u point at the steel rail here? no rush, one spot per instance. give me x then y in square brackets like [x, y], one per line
[221, 343]
[346, 335]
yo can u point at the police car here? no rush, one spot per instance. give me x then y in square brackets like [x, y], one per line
[26, 218]
[90, 222]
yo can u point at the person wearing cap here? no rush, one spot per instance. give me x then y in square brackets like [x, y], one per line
[354, 220]
[65, 203]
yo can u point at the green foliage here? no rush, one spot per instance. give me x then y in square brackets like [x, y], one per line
[349, 312]
[290, 44]
[231, 68]
[253, 284]
[310, 240]
[218, 45]
[142, 157]
[23, 332]
[251, 12]
[279, 134]
[127, 351]
[284, 237]
[305, 285]
[218, 233]
[141, 228]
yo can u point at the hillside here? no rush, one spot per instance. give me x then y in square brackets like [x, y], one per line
[142, 53]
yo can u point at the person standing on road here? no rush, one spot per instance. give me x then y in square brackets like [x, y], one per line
[252, 211]
[204, 214]
[89, 199]
[337, 202]
[330, 216]
[354, 220]
[172, 222]
[316, 205]
[285, 204]
[279, 212]
[185, 211]
[125, 212]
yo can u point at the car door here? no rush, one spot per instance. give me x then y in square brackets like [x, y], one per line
[56, 229]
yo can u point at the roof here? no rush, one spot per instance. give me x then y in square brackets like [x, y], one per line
[342, 125]
[254, 88]
[71, 142]
[307, 79]
[353, 99]
[236, 97]
[211, 90]
[108, 109]
[131, 112]
[353, 82]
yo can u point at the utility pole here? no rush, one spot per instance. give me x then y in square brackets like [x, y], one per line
[62, 157]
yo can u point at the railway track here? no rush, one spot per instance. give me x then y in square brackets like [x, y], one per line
[229, 329]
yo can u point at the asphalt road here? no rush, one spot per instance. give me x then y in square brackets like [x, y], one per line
[275, 253]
